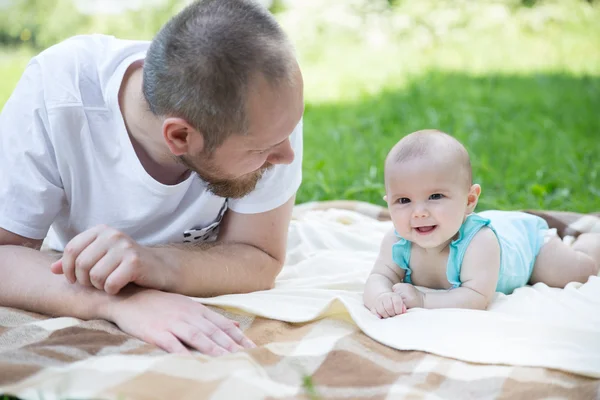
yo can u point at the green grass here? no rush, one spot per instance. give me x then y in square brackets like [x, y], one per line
[522, 95]
[534, 140]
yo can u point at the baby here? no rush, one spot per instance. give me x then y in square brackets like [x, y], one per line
[440, 243]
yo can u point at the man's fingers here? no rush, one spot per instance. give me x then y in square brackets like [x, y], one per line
[87, 259]
[218, 336]
[168, 342]
[229, 327]
[73, 249]
[104, 268]
[238, 336]
[195, 338]
[119, 278]
[56, 267]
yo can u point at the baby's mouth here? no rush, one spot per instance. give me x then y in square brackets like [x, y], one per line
[425, 230]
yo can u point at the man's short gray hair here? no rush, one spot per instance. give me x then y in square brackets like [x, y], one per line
[199, 65]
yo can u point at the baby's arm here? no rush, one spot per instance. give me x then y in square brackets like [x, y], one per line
[479, 276]
[379, 296]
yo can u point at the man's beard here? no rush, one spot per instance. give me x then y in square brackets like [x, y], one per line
[230, 188]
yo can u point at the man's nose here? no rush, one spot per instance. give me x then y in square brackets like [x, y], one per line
[282, 154]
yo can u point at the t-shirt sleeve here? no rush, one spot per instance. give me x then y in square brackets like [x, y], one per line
[278, 184]
[31, 191]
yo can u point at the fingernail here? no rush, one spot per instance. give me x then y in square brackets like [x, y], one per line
[248, 344]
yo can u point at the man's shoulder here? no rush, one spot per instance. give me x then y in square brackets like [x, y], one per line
[68, 54]
[76, 71]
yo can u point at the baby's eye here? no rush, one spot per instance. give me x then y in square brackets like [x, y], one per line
[436, 196]
[404, 200]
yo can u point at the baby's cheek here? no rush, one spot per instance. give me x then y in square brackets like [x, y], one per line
[402, 228]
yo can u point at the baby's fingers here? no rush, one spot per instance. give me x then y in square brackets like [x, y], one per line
[390, 305]
[380, 308]
[399, 287]
[398, 304]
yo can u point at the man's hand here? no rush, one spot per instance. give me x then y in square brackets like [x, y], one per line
[388, 304]
[411, 296]
[108, 260]
[172, 321]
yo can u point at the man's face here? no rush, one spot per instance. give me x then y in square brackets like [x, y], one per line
[208, 170]
[234, 168]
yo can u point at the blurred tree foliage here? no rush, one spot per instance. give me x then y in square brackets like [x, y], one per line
[41, 23]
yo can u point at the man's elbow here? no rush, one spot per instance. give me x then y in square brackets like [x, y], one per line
[270, 273]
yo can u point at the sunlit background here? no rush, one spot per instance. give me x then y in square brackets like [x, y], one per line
[517, 81]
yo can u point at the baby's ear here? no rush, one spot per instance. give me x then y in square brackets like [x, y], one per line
[473, 198]
[385, 198]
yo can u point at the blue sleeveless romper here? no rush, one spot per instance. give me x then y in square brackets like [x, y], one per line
[520, 235]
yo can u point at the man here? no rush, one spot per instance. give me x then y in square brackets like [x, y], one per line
[131, 157]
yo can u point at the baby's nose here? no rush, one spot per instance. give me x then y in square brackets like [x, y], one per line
[420, 213]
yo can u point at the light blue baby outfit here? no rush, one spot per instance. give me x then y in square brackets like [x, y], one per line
[521, 237]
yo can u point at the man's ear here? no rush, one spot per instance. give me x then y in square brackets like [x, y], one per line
[181, 137]
[473, 198]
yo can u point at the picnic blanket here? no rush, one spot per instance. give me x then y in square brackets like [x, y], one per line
[315, 341]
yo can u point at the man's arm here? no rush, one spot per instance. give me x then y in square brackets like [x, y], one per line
[247, 257]
[164, 319]
[27, 283]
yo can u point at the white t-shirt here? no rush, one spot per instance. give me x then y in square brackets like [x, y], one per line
[67, 162]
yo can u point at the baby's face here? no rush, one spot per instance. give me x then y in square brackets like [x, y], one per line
[427, 201]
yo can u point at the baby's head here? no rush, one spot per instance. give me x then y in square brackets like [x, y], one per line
[429, 188]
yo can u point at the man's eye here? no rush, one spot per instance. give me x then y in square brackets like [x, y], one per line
[436, 196]
[404, 200]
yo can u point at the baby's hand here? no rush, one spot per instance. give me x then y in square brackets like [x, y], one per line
[388, 304]
[411, 296]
